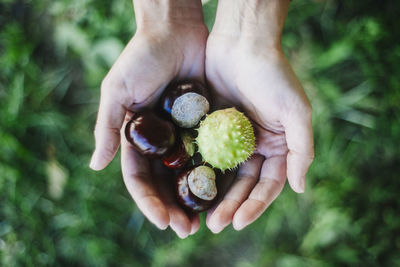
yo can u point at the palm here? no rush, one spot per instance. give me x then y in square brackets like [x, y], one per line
[162, 59]
[149, 62]
[152, 59]
[261, 83]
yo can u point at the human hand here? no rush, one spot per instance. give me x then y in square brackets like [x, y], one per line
[246, 67]
[169, 44]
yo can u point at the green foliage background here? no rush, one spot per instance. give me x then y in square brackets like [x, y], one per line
[55, 211]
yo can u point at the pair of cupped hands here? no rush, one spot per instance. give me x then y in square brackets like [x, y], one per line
[244, 70]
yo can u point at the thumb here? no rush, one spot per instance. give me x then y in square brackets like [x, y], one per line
[299, 138]
[110, 118]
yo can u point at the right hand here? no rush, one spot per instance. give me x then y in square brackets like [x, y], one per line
[246, 67]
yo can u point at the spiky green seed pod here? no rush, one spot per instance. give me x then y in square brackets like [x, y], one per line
[225, 139]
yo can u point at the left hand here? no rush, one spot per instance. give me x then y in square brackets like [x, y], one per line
[160, 51]
[249, 71]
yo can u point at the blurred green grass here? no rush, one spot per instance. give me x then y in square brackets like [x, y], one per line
[55, 211]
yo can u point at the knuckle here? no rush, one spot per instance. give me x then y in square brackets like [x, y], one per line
[106, 84]
[312, 154]
[109, 151]
[307, 110]
[110, 83]
[114, 87]
[96, 130]
[107, 132]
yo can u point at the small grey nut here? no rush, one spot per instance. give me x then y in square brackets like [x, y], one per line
[188, 109]
[201, 182]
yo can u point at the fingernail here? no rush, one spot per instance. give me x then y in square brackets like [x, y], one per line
[238, 226]
[216, 224]
[181, 235]
[215, 228]
[162, 226]
[93, 162]
[301, 185]
[193, 231]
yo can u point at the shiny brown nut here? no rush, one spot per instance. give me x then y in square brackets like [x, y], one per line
[186, 102]
[150, 135]
[196, 189]
[181, 153]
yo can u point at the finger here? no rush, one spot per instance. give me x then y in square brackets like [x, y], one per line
[299, 138]
[195, 220]
[179, 220]
[247, 177]
[272, 180]
[140, 184]
[223, 182]
[109, 121]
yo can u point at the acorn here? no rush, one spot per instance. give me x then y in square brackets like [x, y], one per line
[181, 153]
[150, 135]
[196, 189]
[186, 102]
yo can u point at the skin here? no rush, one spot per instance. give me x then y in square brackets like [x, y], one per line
[169, 44]
[245, 67]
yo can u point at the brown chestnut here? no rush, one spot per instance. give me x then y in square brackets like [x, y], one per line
[181, 153]
[150, 135]
[186, 102]
[196, 190]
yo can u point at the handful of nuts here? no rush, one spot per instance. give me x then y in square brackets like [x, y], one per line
[224, 139]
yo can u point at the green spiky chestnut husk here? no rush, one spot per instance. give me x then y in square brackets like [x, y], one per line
[225, 139]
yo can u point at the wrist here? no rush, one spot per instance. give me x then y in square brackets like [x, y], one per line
[260, 21]
[152, 13]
